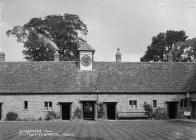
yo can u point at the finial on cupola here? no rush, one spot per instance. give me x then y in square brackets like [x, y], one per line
[118, 55]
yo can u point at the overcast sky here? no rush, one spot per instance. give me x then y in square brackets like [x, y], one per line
[125, 24]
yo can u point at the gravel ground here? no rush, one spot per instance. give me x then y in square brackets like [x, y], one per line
[98, 130]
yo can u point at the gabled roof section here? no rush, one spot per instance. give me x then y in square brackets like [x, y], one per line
[65, 77]
[84, 46]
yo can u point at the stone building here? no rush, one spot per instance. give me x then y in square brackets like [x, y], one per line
[31, 89]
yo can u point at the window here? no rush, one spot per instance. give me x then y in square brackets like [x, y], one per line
[154, 103]
[133, 104]
[183, 103]
[25, 104]
[47, 105]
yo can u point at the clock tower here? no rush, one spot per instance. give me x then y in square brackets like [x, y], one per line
[86, 57]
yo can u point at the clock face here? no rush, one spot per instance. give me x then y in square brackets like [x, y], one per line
[86, 60]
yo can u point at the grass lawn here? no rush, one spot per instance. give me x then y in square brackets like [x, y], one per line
[98, 130]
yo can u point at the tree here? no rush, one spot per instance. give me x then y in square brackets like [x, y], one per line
[39, 34]
[162, 44]
[37, 49]
[185, 51]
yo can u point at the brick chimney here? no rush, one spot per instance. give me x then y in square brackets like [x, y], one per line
[56, 56]
[118, 55]
[2, 57]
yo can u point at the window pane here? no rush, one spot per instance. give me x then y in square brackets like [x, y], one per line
[135, 104]
[50, 104]
[154, 103]
[25, 104]
[46, 105]
[130, 103]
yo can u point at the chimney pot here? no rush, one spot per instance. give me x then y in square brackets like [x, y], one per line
[2, 57]
[56, 56]
[118, 55]
[170, 57]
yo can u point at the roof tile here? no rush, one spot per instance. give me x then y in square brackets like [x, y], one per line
[65, 77]
[84, 46]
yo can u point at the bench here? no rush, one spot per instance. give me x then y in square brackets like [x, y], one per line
[132, 115]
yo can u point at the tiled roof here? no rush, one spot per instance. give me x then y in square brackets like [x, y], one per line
[65, 77]
[84, 46]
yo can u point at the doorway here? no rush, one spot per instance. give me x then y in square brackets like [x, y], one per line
[111, 111]
[172, 110]
[194, 110]
[65, 109]
[88, 110]
[0, 110]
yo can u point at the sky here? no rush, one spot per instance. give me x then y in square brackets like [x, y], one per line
[125, 24]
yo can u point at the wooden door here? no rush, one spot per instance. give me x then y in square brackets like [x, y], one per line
[88, 111]
[66, 111]
[194, 110]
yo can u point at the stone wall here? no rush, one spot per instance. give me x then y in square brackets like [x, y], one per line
[36, 110]
[123, 100]
[162, 99]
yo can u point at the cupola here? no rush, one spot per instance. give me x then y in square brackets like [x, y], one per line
[86, 56]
